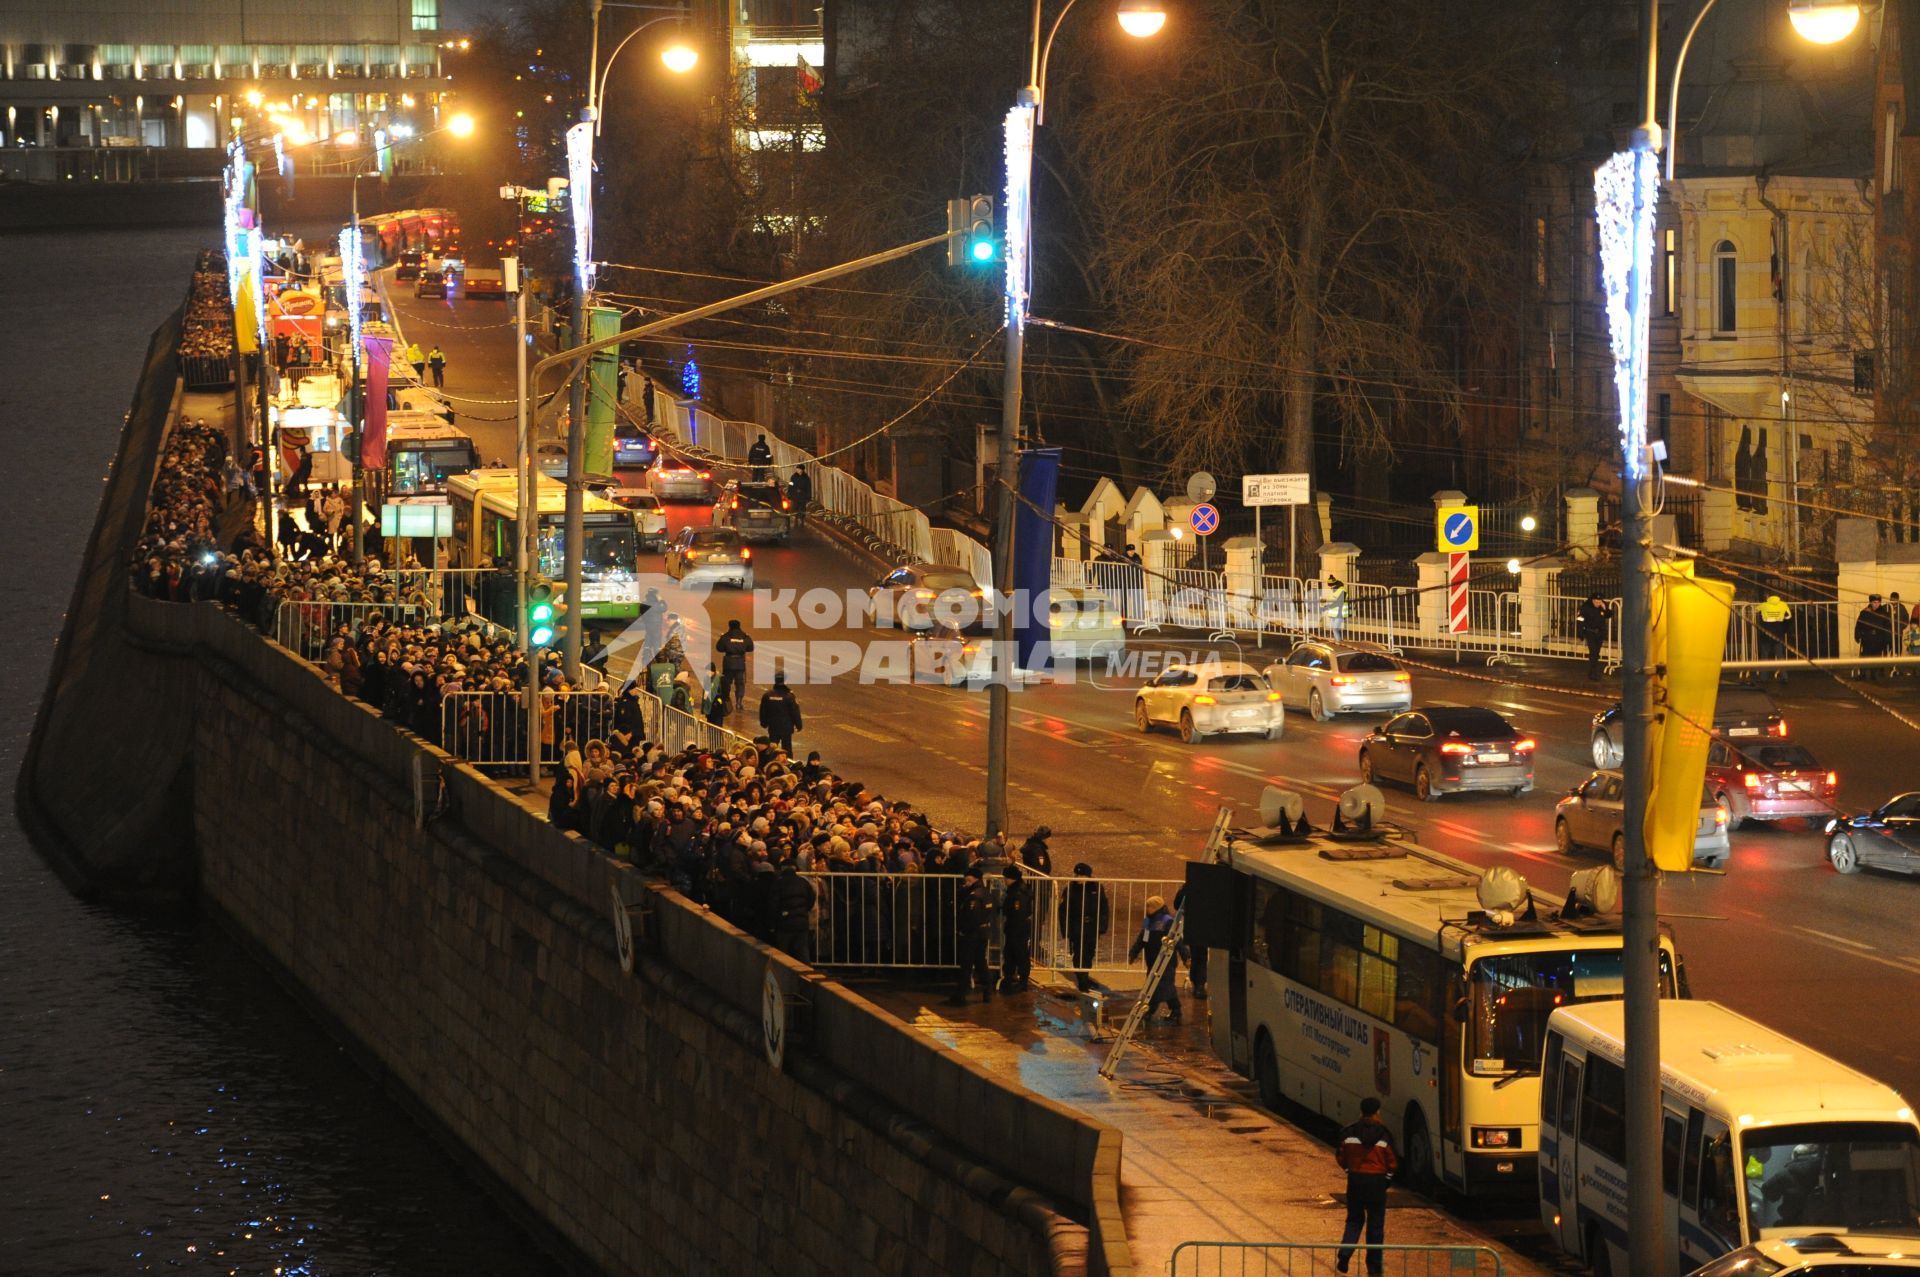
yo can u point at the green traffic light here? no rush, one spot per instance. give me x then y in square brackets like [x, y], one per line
[541, 636]
[540, 613]
[983, 250]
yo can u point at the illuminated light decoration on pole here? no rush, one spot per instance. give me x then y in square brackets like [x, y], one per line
[690, 375]
[580, 192]
[353, 267]
[1626, 189]
[382, 153]
[1019, 210]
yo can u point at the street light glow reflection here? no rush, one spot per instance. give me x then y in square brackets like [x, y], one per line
[1824, 21]
[1142, 18]
[679, 58]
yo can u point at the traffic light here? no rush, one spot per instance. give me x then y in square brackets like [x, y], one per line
[546, 612]
[970, 231]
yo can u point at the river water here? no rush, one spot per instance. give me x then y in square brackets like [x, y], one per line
[164, 1105]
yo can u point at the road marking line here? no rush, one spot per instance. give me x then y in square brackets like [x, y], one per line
[1828, 935]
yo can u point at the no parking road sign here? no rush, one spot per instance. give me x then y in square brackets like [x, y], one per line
[1458, 527]
[1205, 519]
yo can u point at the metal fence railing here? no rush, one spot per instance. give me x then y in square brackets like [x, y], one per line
[1290, 1259]
[303, 626]
[489, 728]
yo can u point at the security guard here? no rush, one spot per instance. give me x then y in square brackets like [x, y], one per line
[1774, 618]
[1333, 606]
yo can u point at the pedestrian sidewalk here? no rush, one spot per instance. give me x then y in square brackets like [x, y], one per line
[1201, 1160]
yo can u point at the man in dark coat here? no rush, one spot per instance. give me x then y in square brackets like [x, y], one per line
[792, 900]
[733, 648]
[1085, 915]
[974, 919]
[1016, 942]
[1594, 615]
[780, 713]
[1034, 853]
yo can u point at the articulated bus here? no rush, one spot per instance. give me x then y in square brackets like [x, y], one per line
[1360, 969]
[486, 517]
[1759, 1134]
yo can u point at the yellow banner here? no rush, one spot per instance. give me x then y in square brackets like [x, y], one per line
[1689, 635]
[246, 324]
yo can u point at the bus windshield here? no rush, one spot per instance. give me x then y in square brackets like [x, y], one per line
[1858, 1175]
[1514, 993]
[425, 468]
[609, 561]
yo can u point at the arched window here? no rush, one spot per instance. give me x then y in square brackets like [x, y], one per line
[1726, 288]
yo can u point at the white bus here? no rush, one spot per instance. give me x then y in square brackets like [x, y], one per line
[1759, 1135]
[424, 453]
[486, 513]
[1371, 969]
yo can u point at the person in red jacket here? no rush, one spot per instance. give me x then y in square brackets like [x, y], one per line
[1367, 1154]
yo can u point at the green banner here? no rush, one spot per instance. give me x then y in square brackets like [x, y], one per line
[603, 385]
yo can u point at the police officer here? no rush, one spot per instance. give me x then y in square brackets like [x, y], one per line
[733, 648]
[1367, 1154]
[437, 359]
[418, 358]
[800, 493]
[1016, 935]
[1774, 617]
[1034, 853]
[973, 924]
[1333, 606]
[1086, 912]
[1595, 612]
[760, 456]
[780, 713]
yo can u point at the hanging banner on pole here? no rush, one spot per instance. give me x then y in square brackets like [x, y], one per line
[376, 351]
[1032, 555]
[1688, 638]
[245, 324]
[603, 380]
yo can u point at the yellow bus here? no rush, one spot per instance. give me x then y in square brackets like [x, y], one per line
[486, 523]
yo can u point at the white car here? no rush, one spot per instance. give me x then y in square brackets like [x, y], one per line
[672, 479]
[1202, 700]
[1841, 1252]
[713, 555]
[1081, 622]
[1334, 678]
[648, 514]
[945, 655]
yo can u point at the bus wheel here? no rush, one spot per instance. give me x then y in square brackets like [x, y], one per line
[1419, 1145]
[1266, 1071]
[1599, 1257]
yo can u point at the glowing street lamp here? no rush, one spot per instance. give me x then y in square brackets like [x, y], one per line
[679, 58]
[461, 125]
[1823, 21]
[1142, 18]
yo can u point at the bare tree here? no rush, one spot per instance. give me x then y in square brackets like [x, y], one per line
[1297, 206]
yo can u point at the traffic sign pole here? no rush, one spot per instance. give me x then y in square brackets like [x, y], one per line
[1457, 601]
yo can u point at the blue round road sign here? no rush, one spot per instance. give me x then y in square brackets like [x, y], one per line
[1459, 529]
[1204, 519]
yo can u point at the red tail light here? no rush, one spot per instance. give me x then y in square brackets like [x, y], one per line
[1204, 699]
[1403, 677]
[705, 475]
[1455, 747]
[1780, 728]
[1343, 680]
[1752, 780]
[736, 503]
[1525, 745]
[746, 554]
[1833, 780]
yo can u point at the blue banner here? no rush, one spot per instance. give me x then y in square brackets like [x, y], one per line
[1033, 556]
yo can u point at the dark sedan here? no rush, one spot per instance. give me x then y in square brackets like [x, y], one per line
[1449, 749]
[1888, 837]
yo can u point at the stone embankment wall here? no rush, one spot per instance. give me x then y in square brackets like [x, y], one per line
[468, 951]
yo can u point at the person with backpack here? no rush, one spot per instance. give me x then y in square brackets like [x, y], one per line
[1367, 1154]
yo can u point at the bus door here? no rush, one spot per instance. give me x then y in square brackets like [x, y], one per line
[1566, 1156]
[1453, 1054]
[1714, 1226]
[1234, 1047]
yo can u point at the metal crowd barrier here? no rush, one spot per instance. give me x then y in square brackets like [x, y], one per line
[489, 728]
[1285, 1259]
[908, 921]
[303, 626]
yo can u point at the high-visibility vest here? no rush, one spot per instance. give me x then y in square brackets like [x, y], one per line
[1335, 604]
[1774, 610]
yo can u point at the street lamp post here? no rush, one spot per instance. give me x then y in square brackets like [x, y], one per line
[580, 173]
[1633, 187]
[1140, 19]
